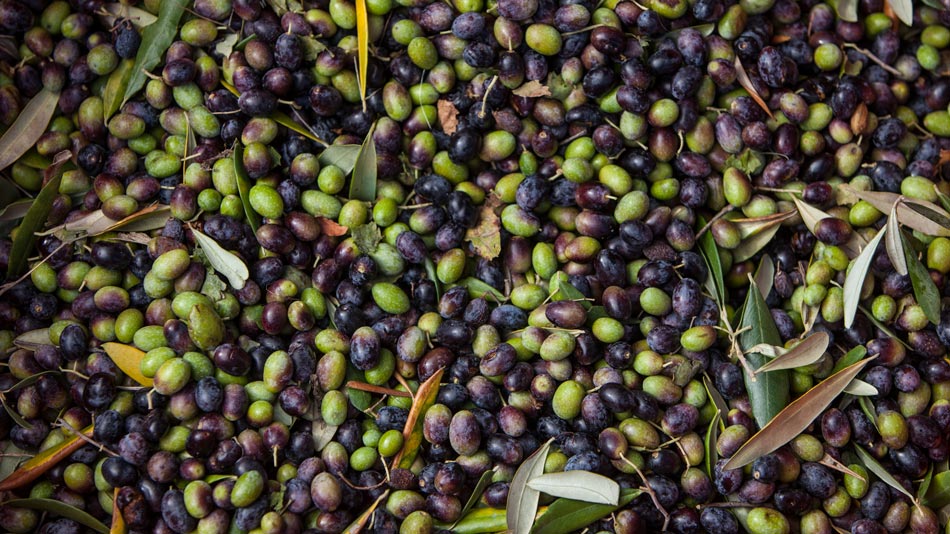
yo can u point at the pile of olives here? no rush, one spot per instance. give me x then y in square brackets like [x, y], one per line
[565, 208]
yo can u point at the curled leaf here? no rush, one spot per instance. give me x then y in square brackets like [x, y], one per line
[807, 352]
[412, 433]
[225, 262]
[904, 9]
[578, 485]
[795, 418]
[855, 278]
[523, 500]
[743, 78]
[129, 360]
[30, 124]
[811, 215]
[44, 461]
[860, 388]
[139, 18]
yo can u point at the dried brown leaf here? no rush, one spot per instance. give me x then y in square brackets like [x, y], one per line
[921, 215]
[795, 418]
[486, 236]
[807, 352]
[532, 89]
[743, 78]
[448, 116]
[412, 433]
[331, 227]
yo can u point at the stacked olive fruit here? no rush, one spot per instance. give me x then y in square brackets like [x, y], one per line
[591, 140]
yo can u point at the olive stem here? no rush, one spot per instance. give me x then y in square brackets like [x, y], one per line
[87, 439]
[650, 492]
[874, 58]
[722, 213]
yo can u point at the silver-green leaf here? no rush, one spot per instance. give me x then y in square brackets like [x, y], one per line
[522, 499]
[855, 279]
[223, 261]
[892, 242]
[578, 485]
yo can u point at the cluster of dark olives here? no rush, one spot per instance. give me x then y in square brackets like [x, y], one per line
[208, 325]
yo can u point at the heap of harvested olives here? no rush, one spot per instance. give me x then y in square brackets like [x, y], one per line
[322, 266]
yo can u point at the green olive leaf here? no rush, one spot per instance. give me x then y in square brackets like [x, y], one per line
[30, 124]
[28, 381]
[795, 417]
[244, 186]
[61, 509]
[363, 180]
[478, 521]
[938, 492]
[751, 245]
[715, 281]
[156, 38]
[522, 500]
[360, 399]
[479, 289]
[709, 445]
[807, 352]
[562, 289]
[880, 471]
[114, 89]
[925, 291]
[36, 216]
[851, 357]
[483, 482]
[768, 392]
[433, 275]
[225, 262]
[367, 237]
[10, 458]
[17, 418]
[568, 515]
[854, 280]
[578, 485]
[342, 156]
[925, 483]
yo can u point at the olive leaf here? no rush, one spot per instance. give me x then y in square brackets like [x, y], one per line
[851, 357]
[118, 525]
[43, 461]
[750, 246]
[412, 433]
[226, 45]
[114, 89]
[880, 471]
[360, 522]
[61, 509]
[30, 124]
[486, 236]
[362, 46]
[478, 521]
[36, 216]
[532, 89]
[433, 275]
[705, 29]
[715, 281]
[156, 38]
[768, 393]
[321, 432]
[129, 360]
[244, 186]
[925, 291]
[568, 515]
[904, 9]
[225, 262]
[112, 12]
[925, 483]
[280, 117]
[938, 493]
[28, 381]
[854, 280]
[748, 161]
[562, 289]
[709, 445]
[483, 482]
[342, 156]
[743, 78]
[17, 418]
[522, 500]
[16, 210]
[811, 215]
[893, 244]
[807, 352]
[10, 456]
[367, 237]
[921, 215]
[479, 289]
[860, 388]
[795, 418]
[765, 276]
[33, 339]
[578, 485]
[363, 180]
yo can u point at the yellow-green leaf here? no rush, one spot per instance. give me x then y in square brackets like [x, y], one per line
[362, 43]
[114, 89]
[795, 418]
[129, 360]
[43, 462]
[412, 433]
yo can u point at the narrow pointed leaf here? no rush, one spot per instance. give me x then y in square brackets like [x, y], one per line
[412, 433]
[360, 522]
[809, 351]
[35, 217]
[851, 357]
[118, 522]
[893, 245]
[938, 493]
[321, 432]
[244, 186]
[925, 291]
[811, 215]
[768, 392]
[225, 262]
[715, 281]
[28, 381]
[137, 16]
[33, 339]
[156, 38]
[61, 509]
[342, 156]
[795, 418]
[904, 9]
[16, 210]
[361, 399]
[522, 500]
[709, 445]
[17, 418]
[567, 515]
[363, 181]
[743, 78]
[362, 44]
[114, 89]
[43, 462]
[757, 225]
[880, 471]
[129, 360]
[434, 277]
[478, 289]
[478, 521]
[578, 485]
[483, 482]
[765, 276]
[750, 246]
[562, 289]
[860, 388]
[855, 278]
[925, 483]
[30, 124]
[921, 215]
